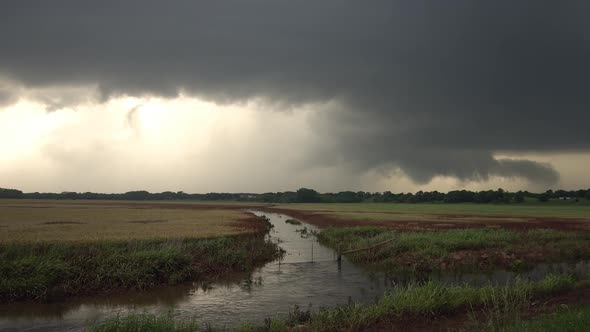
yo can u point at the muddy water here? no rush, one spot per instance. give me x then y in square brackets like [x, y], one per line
[308, 274]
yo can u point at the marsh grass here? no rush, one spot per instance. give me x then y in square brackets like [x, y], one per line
[434, 299]
[429, 249]
[416, 302]
[146, 323]
[564, 320]
[50, 271]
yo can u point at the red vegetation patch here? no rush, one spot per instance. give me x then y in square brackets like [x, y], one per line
[442, 222]
[251, 223]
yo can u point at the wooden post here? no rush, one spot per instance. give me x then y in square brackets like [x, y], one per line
[339, 254]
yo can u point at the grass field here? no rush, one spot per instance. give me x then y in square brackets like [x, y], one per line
[456, 249]
[73, 221]
[431, 216]
[50, 250]
[565, 319]
[431, 236]
[555, 210]
[54, 249]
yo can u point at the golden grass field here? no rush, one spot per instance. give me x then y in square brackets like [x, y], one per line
[81, 221]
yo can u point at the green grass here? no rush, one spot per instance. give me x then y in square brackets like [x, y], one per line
[51, 271]
[456, 248]
[433, 300]
[144, 322]
[565, 320]
[417, 302]
[555, 209]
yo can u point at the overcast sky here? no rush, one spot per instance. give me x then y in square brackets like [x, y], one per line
[269, 95]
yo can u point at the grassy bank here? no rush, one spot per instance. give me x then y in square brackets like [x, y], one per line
[433, 300]
[565, 320]
[54, 249]
[404, 305]
[457, 248]
[51, 271]
[146, 323]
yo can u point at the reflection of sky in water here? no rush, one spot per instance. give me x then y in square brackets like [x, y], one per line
[269, 291]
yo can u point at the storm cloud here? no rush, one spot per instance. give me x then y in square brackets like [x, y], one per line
[434, 88]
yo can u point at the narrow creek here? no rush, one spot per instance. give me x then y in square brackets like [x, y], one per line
[308, 274]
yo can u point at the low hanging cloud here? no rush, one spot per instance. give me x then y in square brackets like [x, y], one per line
[430, 87]
[470, 168]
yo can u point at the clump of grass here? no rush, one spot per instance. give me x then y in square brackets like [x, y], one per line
[506, 304]
[435, 299]
[566, 319]
[146, 323]
[414, 301]
[51, 271]
[293, 222]
[430, 250]
[447, 241]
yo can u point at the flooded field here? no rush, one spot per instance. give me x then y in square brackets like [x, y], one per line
[308, 274]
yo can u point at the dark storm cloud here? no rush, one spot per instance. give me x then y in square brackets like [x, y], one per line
[433, 87]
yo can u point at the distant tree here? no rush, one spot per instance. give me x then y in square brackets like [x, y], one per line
[460, 196]
[519, 197]
[305, 195]
[406, 198]
[69, 195]
[10, 193]
[348, 197]
[139, 195]
[543, 197]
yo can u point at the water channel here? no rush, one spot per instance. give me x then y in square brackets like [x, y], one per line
[308, 274]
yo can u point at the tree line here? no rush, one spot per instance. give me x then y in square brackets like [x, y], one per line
[306, 195]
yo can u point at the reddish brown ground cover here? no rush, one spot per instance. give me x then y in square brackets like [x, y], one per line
[323, 219]
[442, 222]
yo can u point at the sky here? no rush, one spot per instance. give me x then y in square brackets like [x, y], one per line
[274, 95]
